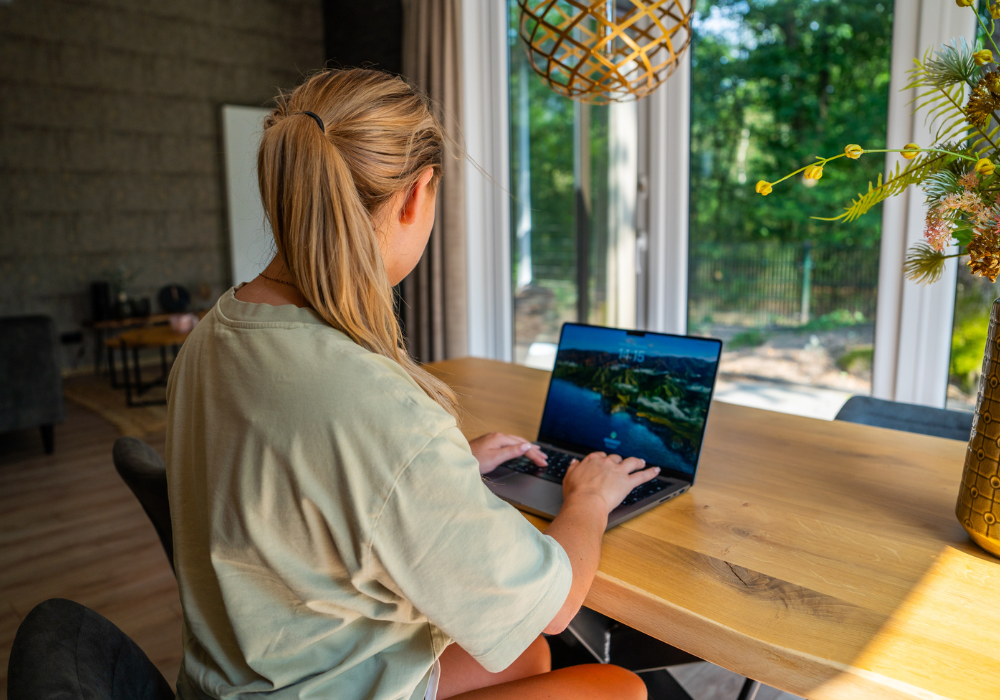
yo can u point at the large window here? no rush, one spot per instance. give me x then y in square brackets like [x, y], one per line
[573, 186]
[774, 84]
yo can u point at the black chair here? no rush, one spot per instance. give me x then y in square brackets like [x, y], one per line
[144, 471]
[908, 417]
[31, 394]
[592, 636]
[66, 651]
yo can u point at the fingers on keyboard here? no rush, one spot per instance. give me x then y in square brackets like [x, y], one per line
[643, 491]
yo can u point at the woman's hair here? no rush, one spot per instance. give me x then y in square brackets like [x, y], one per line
[323, 186]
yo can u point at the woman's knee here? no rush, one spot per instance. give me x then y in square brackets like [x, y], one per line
[615, 682]
[630, 683]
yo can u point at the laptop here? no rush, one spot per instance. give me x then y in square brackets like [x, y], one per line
[633, 393]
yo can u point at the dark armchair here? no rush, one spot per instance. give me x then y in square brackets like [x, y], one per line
[31, 394]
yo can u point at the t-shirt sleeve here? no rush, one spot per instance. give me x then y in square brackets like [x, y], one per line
[468, 561]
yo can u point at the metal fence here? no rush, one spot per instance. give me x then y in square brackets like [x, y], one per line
[762, 284]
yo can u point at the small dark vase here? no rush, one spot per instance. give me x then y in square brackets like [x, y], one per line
[140, 307]
[978, 506]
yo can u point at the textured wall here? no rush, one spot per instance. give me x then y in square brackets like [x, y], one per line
[110, 146]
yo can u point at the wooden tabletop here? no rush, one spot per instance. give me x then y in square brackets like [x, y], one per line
[821, 558]
[151, 337]
[131, 322]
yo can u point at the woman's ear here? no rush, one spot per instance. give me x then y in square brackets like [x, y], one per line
[417, 198]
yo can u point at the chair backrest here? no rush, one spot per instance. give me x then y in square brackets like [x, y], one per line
[30, 376]
[146, 474]
[938, 422]
[66, 651]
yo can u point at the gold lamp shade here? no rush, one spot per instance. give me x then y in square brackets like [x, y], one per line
[601, 51]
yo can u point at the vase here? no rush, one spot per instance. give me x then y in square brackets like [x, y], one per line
[978, 506]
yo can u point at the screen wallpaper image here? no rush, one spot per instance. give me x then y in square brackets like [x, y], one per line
[640, 396]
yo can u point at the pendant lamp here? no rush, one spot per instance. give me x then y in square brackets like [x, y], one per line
[601, 51]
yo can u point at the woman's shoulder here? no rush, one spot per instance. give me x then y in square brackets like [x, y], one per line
[294, 374]
[345, 384]
[382, 385]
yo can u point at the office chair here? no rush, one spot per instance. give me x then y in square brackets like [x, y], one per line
[66, 651]
[144, 471]
[908, 417]
[592, 636]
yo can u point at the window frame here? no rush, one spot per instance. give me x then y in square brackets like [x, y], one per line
[913, 322]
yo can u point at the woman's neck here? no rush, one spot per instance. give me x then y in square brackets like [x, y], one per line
[274, 287]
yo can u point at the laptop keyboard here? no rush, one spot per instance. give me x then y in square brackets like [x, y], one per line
[558, 464]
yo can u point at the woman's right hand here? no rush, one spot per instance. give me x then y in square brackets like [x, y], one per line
[608, 477]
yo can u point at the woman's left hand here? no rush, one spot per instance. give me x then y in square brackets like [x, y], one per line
[494, 449]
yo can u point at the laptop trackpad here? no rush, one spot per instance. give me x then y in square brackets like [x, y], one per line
[534, 494]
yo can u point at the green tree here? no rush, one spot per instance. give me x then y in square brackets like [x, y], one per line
[774, 84]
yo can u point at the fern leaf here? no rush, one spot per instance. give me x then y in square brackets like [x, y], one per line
[895, 182]
[984, 143]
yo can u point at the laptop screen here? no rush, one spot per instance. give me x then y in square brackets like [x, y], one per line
[634, 393]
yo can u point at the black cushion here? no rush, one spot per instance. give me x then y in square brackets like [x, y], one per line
[146, 474]
[66, 651]
[30, 381]
[912, 418]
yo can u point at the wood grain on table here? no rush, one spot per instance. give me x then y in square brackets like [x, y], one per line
[822, 558]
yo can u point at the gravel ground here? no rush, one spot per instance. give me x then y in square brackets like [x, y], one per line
[801, 357]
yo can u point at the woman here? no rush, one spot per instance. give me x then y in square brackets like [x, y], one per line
[333, 537]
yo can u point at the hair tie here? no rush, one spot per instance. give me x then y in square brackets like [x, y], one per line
[322, 126]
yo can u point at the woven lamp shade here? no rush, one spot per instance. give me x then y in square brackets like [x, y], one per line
[601, 51]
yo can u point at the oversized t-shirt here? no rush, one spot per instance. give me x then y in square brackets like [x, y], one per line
[332, 534]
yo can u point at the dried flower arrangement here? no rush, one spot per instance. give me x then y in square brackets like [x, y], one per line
[957, 173]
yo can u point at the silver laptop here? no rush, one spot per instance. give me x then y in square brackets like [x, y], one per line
[633, 393]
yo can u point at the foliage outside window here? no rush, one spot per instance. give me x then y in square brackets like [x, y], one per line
[776, 83]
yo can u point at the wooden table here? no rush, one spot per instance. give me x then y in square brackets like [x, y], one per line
[821, 558]
[102, 328]
[161, 337]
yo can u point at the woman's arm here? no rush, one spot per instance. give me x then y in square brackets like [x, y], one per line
[591, 490]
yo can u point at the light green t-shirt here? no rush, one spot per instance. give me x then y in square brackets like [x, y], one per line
[332, 534]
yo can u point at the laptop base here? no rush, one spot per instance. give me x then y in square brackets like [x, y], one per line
[546, 497]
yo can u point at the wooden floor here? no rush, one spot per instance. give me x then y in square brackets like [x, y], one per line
[70, 528]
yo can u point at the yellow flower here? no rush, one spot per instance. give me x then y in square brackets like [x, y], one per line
[984, 166]
[995, 10]
[854, 151]
[764, 187]
[910, 151]
[983, 57]
[813, 172]
[964, 3]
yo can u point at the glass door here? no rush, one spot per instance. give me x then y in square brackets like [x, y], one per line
[774, 84]
[573, 190]
[973, 302]
[974, 297]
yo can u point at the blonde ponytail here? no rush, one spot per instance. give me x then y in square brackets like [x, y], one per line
[322, 184]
